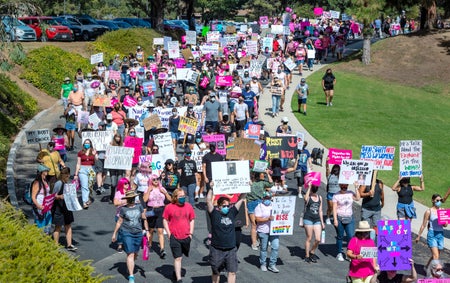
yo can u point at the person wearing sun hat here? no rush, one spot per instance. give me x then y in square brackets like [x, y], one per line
[66, 88]
[40, 188]
[361, 269]
[130, 221]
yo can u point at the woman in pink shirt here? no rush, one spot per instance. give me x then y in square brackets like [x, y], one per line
[119, 117]
[155, 197]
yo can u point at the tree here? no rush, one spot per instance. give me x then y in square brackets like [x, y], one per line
[428, 14]
[366, 11]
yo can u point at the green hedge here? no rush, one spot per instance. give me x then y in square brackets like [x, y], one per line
[27, 255]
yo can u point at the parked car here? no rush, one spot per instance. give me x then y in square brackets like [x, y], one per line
[122, 25]
[17, 30]
[75, 28]
[181, 23]
[89, 28]
[135, 22]
[110, 24]
[53, 30]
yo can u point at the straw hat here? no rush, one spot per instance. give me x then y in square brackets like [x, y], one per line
[363, 226]
[130, 194]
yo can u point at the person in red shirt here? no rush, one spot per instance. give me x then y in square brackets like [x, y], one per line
[178, 220]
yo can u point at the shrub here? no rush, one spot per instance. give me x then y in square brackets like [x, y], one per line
[28, 255]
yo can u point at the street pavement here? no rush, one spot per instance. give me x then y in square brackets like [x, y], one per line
[93, 228]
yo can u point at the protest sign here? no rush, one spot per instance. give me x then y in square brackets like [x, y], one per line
[277, 29]
[47, 203]
[281, 147]
[96, 58]
[210, 48]
[83, 117]
[369, 252]
[230, 29]
[70, 196]
[313, 178]
[283, 209]
[197, 156]
[165, 113]
[300, 140]
[94, 120]
[264, 21]
[443, 280]
[135, 112]
[182, 73]
[135, 143]
[179, 62]
[410, 158]
[242, 148]
[213, 36]
[356, 171]
[167, 39]
[381, 156]
[335, 14]
[253, 132]
[231, 177]
[318, 11]
[101, 100]
[152, 121]
[443, 216]
[145, 158]
[114, 75]
[260, 166]
[187, 53]
[311, 53]
[164, 142]
[173, 49]
[256, 30]
[394, 244]
[188, 125]
[100, 139]
[335, 155]
[243, 28]
[276, 90]
[38, 136]
[158, 41]
[252, 47]
[224, 80]
[191, 37]
[286, 30]
[290, 64]
[268, 43]
[129, 101]
[191, 77]
[59, 143]
[119, 157]
[218, 140]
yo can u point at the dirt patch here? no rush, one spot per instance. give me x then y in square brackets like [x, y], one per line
[416, 60]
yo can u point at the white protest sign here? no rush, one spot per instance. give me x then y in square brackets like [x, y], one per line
[158, 41]
[335, 14]
[174, 49]
[213, 36]
[369, 252]
[158, 162]
[191, 37]
[283, 209]
[191, 76]
[96, 58]
[300, 139]
[94, 120]
[165, 113]
[166, 41]
[277, 29]
[252, 47]
[231, 177]
[290, 64]
[410, 158]
[356, 171]
[182, 73]
[286, 30]
[268, 43]
[38, 136]
[311, 53]
[210, 48]
[197, 156]
[70, 197]
[100, 139]
[381, 156]
[83, 117]
[119, 157]
[164, 142]
[243, 28]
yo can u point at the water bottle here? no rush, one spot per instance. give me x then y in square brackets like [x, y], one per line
[322, 237]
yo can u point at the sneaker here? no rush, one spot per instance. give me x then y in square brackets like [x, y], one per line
[180, 281]
[163, 255]
[308, 260]
[313, 257]
[120, 250]
[328, 221]
[196, 198]
[71, 248]
[263, 268]
[340, 257]
[304, 113]
[331, 104]
[255, 247]
[273, 268]
[300, 196]
[98, 191]
[131, 279]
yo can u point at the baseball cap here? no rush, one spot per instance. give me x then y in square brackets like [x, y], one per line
[285, 119]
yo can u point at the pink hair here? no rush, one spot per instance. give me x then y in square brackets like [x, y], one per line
[151, 178]
[121, 184]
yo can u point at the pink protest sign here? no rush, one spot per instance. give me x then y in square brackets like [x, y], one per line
[48, 203]
[313, 178]
[254, 131]
[129, 101]
[114, 75]
[179, 62]
[336, 155]
[162, 76]
[224, 80]
[443, 216]
[318, 11]
[135, 143]
[59, 143]
[264, 21]
[219, 141]
[443, 280]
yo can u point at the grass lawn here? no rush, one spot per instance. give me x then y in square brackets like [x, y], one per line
[368, 111]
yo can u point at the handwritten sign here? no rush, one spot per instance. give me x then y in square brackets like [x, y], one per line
[231, 177]
[152, 121]
[83, 117]
[381, 156]
[197, 156]
[290, 64]
[48, 203]
[277, 29]
[252, 47]
[281, 147]
[335, 156]
[283, 209]
[242, 148]
[38, 136]
[313, 178]
[210, 48]
[100, 139]
[114, 75]
[213, 36]
[70, 196]
[443, 216]
[394, 244]
[191, 37]
[119, 157]
[174, 49]
[411, 158]
[94, 120]
[356, 171]
[188, 125]
[164, 142]
[301, 140]
[158, 41]
[96, 58]
[218, 140]
[369, 252]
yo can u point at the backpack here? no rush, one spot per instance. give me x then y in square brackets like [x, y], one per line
[27, 194]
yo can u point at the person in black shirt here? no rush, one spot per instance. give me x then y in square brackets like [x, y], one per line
[391, 276]
[210, 157]
[373, 201]
[226, 127]
[188, 179]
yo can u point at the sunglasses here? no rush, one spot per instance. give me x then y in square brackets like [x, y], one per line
[439, 269]
[126, 184]
[225, 206]
[436, 200]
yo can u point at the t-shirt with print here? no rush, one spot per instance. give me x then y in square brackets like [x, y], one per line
[302, 90]
[188, 170]
[222, 229]
[241, 109]
[141, 180]
[179, 218]
[344, 203]
[132, 219]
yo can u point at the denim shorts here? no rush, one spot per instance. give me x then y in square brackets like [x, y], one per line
[308, 222]
[70, 126]
[175, 136]
[330, 196]
[435, 239]
[251, 205]
[301, 100]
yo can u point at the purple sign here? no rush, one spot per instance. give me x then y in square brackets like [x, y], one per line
[394, 244]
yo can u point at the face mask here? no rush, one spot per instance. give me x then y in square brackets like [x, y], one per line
[212, 99]
[266, 202]
[181, 200]
[75, 89]
[247, 88]
[132, 134]
[439, 273]
[198, 140]
[140, 103]
[225, 210]
[87, 146]
[438, 204]
[279, 72]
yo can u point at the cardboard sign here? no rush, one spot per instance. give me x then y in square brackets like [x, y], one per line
[152, 121]
[230, 29]
[224, 80]
[356, 171]
[188, 125]
[219, 141]
[100, 139]
[119, 157]
[38, 136]
[335, 156]
[410, 158]
[47, 203]
[369, 252]
[283, 209]
[191, 37]
[281, 147]
[277, 29]
[187, 53]
[443, 216]
[101, 100]
[158, 41]
[381, 156]
[242, 148]
[394, 244]
[164, 142]
[135, 143]
[96, 58]
[231, 177]
[313, 178]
